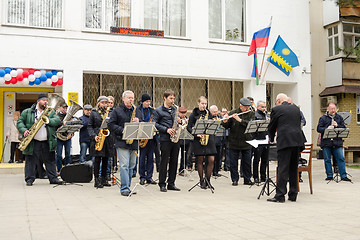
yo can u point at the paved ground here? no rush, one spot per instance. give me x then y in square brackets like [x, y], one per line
[82, 212]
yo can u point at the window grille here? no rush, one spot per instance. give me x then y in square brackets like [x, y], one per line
[220, 94]
[193, 89]
[139, 85]
[91, 88]
[161, 85]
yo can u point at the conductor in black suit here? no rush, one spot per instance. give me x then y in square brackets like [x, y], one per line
[285, 119]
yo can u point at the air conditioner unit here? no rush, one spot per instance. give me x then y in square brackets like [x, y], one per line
[325, 100]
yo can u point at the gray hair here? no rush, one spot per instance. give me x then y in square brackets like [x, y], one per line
[213, 107]
[259, 102]
[127, 92]
[282, 97]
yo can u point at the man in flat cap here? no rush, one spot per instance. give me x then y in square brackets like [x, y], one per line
[237, 123]
[84, 134]
[43, 145]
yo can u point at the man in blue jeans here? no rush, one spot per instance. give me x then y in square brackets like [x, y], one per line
[331, 120]
[60, 144]
[84, 134]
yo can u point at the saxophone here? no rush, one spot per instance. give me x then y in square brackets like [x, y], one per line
[143, 142]
[54, 101]
[130, 141]
[176, 126]
[103, 133]
[204, 139]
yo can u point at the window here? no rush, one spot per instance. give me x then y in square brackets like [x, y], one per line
[333, 41]
[35, 13]
[103, 14]
[166, 15]
[227, 20]
[358, 109]
[351, 36]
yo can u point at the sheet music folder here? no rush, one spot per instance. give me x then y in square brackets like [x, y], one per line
[207, 127]
[141, 130]
[336, 133]
[257, 126]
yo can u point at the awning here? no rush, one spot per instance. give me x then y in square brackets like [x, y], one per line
[339, 89]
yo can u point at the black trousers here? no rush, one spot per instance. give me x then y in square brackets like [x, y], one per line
[104, 164]
[41, 153]
[287, 169]
[217, 161]
[169, 155]
[261, 154]
[14, 149]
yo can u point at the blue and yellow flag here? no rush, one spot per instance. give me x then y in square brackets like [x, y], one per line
[283, 57]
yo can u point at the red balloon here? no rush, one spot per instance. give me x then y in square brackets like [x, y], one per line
[19, 77]
[25, 74]
[7, 82]
[53, 84]
[13, 80]
[60, 82]
[31, 71]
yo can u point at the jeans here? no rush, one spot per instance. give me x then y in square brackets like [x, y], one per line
[127, 160]
[245, 163]
[146, 161]
[83, 149]
[339, 156]
[59, 148]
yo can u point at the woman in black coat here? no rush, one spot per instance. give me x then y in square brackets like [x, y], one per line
[95, 121]
[208, 148]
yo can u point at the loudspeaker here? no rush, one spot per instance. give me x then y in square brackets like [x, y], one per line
[77, 172]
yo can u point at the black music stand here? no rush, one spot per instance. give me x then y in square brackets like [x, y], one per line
[137, 131]
[336, 133]
[220, 132]
[346, 116]
[207, 127]
[185, 135]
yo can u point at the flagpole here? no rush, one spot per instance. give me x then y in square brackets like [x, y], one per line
[262, 63]
[266, 70]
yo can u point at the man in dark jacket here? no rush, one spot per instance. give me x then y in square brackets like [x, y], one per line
[84, 134]
[262, 151]
[333, 146]
[164, 118]
[146, 159]
[43, 145]
[237, 141]
[126, 150]
[285, 119]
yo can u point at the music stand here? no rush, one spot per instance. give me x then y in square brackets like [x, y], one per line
[346, 116]
[207, 127]
[185, 135]
[137, 131]
[220, 132]
[336, 133]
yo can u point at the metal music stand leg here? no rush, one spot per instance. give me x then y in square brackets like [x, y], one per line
[185, 171]
[198, 184]
[133, 190]
[266, 187]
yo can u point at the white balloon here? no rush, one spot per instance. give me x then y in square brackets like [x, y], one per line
[2, 80]
[60, 75]
[54, 78]
[25, 81]
[31, 78]
[20, 71]
[37, 74]
[13, 73]
[7, 77]
[48, 82]
[43, 72]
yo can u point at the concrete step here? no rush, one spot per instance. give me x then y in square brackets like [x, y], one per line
[12, 168]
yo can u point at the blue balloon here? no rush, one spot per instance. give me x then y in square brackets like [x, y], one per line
[31, 83]
[37, 81]
[2, 73]
[7, 70]
[54, 72]
[49, 74]
[43, 78]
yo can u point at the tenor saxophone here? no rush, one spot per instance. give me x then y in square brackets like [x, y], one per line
[204, 139]
[130, 141]
[176, 126]
[103, 133]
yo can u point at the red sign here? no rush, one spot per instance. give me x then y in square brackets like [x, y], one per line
[137, 31]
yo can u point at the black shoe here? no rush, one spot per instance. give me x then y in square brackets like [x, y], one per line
[125, 193]
[97, 183]
[29, 183]
[329, 178]
[11, 161]
[150, 181]
[58, 182]
[216, 174]
[300, 180]
[276, 200]
[241, 175]
[134, 175]
[256, 180]
[163, 189]
[142, 181]
[105, 183]
[226, 169]
[292, 199]
[173, 188]
[108, 178]
[249, 183]
[203, 184]
[346, 179]
[263, 180]
[235, 183]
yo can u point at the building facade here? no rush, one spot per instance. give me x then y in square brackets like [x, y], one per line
[203, 51]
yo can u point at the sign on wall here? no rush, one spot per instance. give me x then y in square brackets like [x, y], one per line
[73, 96]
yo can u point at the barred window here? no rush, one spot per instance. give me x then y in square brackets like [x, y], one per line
[103, 14]
[35, 13]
